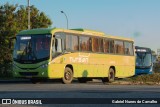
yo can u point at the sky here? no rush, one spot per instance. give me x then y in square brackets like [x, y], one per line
[136, 19]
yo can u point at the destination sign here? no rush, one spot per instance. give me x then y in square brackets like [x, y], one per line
[25, 38]
[141, 50]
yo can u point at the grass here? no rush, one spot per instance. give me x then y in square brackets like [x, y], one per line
[146, 79]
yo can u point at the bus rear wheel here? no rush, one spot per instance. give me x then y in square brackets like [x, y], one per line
[111, 76]
[68, 76]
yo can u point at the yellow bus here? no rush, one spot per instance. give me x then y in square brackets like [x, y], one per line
[75, 53]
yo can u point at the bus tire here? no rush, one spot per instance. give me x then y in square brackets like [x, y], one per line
[111, 76]
[68, 76]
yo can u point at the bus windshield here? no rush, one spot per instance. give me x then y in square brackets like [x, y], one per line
[143, 59]
[32, 48]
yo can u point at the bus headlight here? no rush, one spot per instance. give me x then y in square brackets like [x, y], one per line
[151, 70]
[15, 73]
[42, 73]
[44, 66]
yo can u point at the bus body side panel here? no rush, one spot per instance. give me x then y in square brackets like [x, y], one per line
[92, 65]
[84, 65]
[124, 65]
[58, 64]
[129, 66]
[143, 71]
[56, 70]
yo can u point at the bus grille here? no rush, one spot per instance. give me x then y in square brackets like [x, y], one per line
[28, 73]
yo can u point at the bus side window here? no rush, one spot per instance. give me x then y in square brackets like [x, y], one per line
[95, 45]
[101, 48]
[106, 46]
[53, 48]
[128, 48]
[58, 45]
[119, 48]
[111, 46]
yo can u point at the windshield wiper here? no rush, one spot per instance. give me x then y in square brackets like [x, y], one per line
[32, 53]
[23, 52]
[25, 49]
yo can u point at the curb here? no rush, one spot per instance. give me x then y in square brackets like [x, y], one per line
[14, 80]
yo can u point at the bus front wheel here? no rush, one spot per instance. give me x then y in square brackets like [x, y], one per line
[68, 76]
[111, 76]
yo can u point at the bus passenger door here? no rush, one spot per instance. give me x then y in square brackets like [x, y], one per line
[56, 67]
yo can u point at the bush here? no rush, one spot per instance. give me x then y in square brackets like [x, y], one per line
[6, 70]
[156, 67]
[148, 78]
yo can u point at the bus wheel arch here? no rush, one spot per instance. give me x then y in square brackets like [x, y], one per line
[68, 74]
[111, 75]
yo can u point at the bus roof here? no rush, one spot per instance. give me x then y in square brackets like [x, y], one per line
[138, 47]
[36, 31]
[74, 31]
[142, 49]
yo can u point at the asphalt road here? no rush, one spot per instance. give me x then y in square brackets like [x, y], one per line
[52, 89]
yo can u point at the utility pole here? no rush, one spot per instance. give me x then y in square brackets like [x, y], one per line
[28, 14]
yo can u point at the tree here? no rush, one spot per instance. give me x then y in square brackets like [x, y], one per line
[14, 18]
